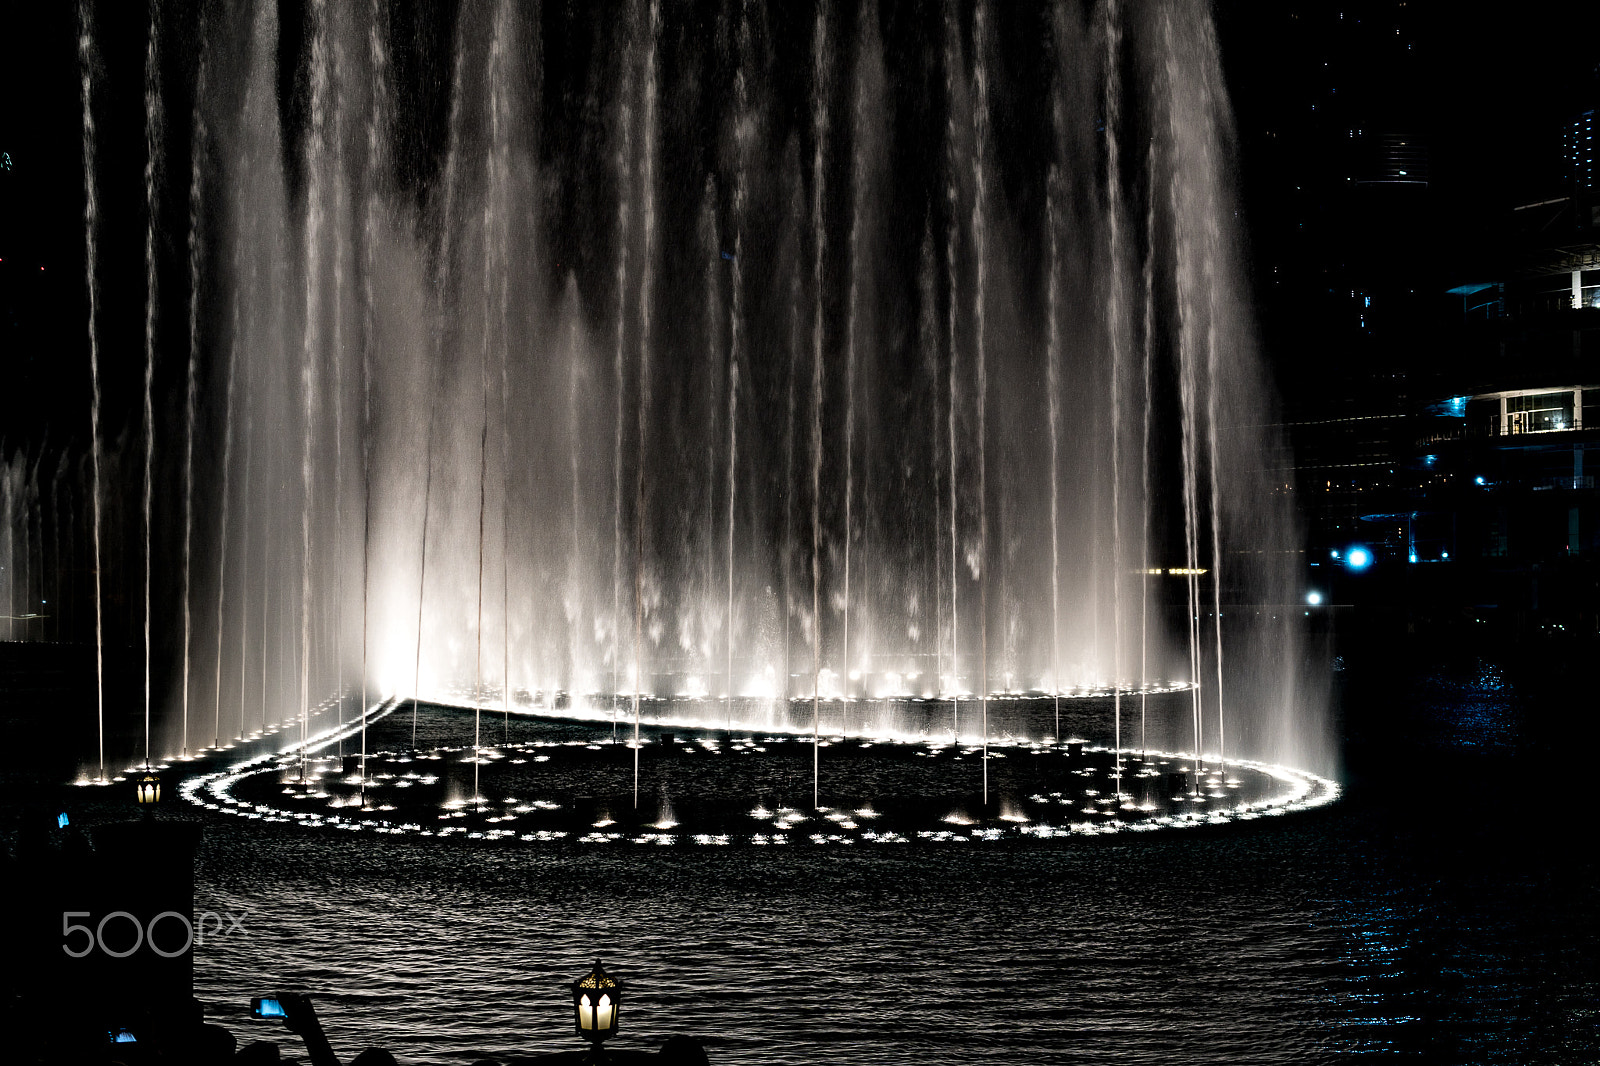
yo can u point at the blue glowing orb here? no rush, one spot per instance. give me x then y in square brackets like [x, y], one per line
[1358, 558]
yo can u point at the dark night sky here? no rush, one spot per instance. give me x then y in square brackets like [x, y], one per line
[1486, 94]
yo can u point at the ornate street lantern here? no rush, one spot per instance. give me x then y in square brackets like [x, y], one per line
[148, 789]
[596, 1001]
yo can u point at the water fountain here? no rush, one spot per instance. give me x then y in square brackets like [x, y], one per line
[795, 353]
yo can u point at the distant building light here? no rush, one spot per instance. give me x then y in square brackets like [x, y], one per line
[1444, 555]
[1413, 557]
[1479, 479]
[1358, 558]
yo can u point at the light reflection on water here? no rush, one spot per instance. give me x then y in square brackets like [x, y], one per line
[1252, 946]
[1385, 926]
[886, 957]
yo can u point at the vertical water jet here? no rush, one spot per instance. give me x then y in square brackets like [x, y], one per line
[623, 165]
[647, 179]
[980, 136]
[153, 147]
[311, 340]
[819, 119]
[952, 59]
[1053, 389]
[86, 64]
[197, 149]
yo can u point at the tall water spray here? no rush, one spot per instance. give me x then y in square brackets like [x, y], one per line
[820, 244]
[152, 167]
[995, 381]
[86, 63]
[197, 149]
[647, 182]
[980, 308]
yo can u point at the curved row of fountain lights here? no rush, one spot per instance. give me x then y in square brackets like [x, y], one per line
[784, 825]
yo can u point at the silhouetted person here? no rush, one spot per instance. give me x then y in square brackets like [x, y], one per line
[373, 1056]
[683, 1051]
[186, 1037]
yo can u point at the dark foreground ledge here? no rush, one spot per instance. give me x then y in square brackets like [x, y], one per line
[677, 1051]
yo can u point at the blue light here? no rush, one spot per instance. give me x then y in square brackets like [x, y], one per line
[1413, 556]
[1444, 555]
[1458, 406]
[61, 820]
[1314, 598]
[1334, 554]
[1358, 558]
[1429, 460]
[1479, 479]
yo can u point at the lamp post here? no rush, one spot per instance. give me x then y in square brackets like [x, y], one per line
[148, 791]
[596, 1002]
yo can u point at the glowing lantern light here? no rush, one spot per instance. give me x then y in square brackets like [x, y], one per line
[596, 1002]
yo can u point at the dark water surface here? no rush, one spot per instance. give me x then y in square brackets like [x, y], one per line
[1444, 911]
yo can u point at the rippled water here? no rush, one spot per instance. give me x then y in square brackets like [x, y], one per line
[1444, 911]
